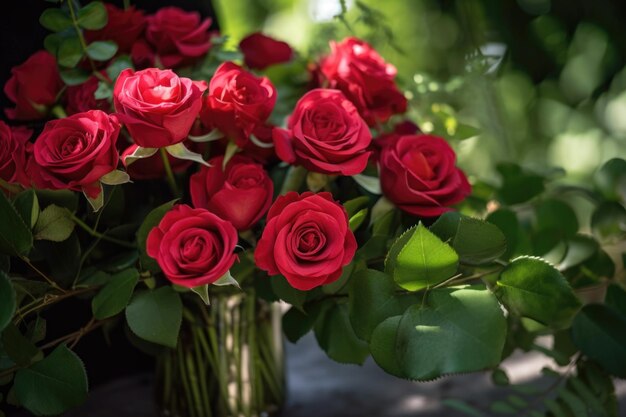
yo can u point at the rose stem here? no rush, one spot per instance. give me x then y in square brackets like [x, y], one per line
[171, 181]
[96, 234]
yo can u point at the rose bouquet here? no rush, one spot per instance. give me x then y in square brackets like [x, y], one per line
[208, 195]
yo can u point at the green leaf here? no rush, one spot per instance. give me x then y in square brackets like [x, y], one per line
[74, 76]
[423, 261]
[580, 248]
[156, 316]
[152, 220]
[616, 299]
[115, 295]
[357, 219]
[610, 179]
[54, 224]
[53, 385]
[203, 292]
[102, 50]
[15, 236]
[118, 65]
[356, 204]
[55, 19]
[609, 221]
[335, 336]
[530, 287]
[446, 226]
[7, 300]
[383, 347]
[181, 152]
[27, 205]
[93, 16]
[287, 293]
[518, 186]
[461, 330]
[556, 217]
[296, 324]
[70, 52]
[115, 177]
[372, 299]
[18, 347]
[478, 242]
[598, 331]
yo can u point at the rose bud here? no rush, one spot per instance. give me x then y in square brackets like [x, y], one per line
[306, 239]
[418, 174]
[355, 68]
[152, 168]
[81, 98]
[33, 87]
[157, 107]
[261, 51]
[178, 37]
[14, 153]
[124, 27]
[240, 193]
[75, 152]
[325, 134]
[238, 102]
[193, 247]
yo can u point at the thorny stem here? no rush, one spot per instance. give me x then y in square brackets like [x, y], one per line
[41, 274]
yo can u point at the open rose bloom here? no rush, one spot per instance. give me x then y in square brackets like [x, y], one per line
[168, 177]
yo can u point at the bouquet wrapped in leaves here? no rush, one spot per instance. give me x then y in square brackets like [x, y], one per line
[172, 170]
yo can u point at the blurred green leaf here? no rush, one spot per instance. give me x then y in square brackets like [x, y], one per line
[15, 236]
[70, 52]
[152, 220]
[557, 217]
[18, 347]
[296, 324]
[102, 50]
[610, 179]
[336, 337]
[55, 19]
[7, 300]
[92, 16]
[598, 331]
[609, 220]
[27, 205]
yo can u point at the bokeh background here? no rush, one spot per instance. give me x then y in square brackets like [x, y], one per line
[538, 82]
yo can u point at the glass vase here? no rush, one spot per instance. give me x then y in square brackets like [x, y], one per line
[229, 361]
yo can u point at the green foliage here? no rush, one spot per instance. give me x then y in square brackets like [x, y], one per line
[422, 260]
[608, 221]
[92, 16]
[598, 331]
[373, 298]
[15, 235]
[70, 52]
[518, 186]
[101, 50]
[336, 337]
[55, 19]
[284, 291]
[7, 300]
[53, 385]
[18, 347]
[27, 205]
[530, 287]
[115, 295]
[296, 324]
[476, 241]
[156, 316]
[457, 330]
[152, 220]
[610, 180]
[54, 224]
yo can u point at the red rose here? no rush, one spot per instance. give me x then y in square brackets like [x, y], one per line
[81, 98]
[306, 239]
[152, 168]
[75, 152]
[241, 193]
[238, 102]
[325, 134]
[418, 174]
[14, 152]
[260, 51]
[193, 247]
[33, 87]
[124, 26]
[355, 68]
[157, 107]
[178, 37]
[400, 129]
